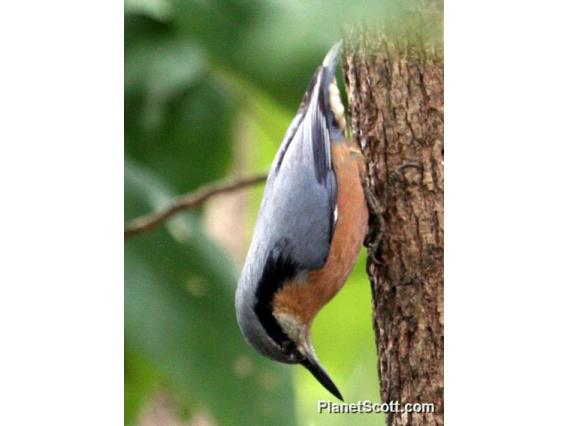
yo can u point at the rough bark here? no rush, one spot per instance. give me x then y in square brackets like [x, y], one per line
[395, 91]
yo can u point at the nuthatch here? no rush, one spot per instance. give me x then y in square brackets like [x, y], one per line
[310, 228]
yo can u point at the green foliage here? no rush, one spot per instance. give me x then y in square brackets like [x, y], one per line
[179, 320]
[170, 101]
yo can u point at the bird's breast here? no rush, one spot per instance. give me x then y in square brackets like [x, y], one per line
[304, 297]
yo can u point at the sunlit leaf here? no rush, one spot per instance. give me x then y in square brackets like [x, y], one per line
[140, 380]
[157, 9]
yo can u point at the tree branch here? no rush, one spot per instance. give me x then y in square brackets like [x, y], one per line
[187, 201]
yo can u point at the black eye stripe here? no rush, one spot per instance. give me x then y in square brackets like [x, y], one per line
[278, 269]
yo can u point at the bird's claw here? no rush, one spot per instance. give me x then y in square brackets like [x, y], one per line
[397, 174]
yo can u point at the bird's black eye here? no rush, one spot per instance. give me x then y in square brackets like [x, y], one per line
[287, 347]
[334, 121]
[291, 351]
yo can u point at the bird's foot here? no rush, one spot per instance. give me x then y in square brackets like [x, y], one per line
[396, 176]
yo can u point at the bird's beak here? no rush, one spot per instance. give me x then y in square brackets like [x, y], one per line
[312, 364]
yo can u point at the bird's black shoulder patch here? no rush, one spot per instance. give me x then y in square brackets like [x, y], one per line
[279, 268]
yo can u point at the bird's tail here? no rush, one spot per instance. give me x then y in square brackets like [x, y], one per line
[334, 108]
[333, 56]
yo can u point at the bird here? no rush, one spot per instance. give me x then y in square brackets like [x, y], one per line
[310, 228]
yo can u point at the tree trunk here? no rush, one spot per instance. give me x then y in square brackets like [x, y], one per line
[395, 88]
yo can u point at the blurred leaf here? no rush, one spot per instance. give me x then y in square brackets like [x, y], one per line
[158, 9]
[162, 68]
[140, 379]
[179, 314]
[177, 118]
[158, 63]
[276, 44]
[143, 28]
[219, 24]
[191, 146]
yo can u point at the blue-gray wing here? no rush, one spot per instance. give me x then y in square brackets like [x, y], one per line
[299, 205]
[295, 225]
